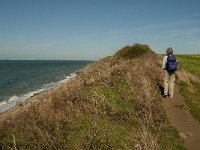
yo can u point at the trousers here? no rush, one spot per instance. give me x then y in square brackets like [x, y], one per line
[169, 82]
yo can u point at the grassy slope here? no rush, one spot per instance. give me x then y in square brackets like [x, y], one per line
[191, 90]
[112, 104]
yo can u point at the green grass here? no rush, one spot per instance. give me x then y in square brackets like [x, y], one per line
[124, 123]
[191, 63]
[170, 139]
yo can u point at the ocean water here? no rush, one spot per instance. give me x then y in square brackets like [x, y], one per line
[21, 79]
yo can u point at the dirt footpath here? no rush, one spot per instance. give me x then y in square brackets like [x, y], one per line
[180, 117]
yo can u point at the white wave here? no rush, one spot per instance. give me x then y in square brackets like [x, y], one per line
[30, 94]
[67, 78]
[2, 103]
[7, 104]
[13, 98]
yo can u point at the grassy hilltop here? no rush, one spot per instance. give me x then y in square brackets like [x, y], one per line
[113, 103]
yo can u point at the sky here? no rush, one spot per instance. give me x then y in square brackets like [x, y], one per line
[93, 29]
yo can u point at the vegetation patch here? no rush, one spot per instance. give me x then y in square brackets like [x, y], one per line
[130, 52]
[189, 80]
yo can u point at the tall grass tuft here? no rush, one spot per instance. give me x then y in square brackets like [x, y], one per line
[188, 79]
[134, 51]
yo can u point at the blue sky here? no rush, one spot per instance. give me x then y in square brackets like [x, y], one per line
[93, 29]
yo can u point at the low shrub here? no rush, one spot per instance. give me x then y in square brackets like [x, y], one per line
[130, 52]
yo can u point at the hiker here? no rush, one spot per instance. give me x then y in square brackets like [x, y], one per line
[170, 66]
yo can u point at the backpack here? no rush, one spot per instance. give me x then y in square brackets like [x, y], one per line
[171, 65]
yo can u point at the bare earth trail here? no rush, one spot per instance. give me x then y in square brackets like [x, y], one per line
[180, 117]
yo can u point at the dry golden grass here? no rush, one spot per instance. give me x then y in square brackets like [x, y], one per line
[188, 79]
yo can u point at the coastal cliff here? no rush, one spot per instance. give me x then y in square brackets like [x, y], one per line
[113, 103]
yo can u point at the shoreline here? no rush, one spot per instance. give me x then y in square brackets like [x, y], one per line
[35, 98]
[24, 79]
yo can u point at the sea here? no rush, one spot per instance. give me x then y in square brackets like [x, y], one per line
[21, 79]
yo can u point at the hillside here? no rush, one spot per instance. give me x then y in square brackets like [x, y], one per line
[113, 103]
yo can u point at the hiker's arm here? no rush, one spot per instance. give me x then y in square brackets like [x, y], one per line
[176, 73]
[164, 62]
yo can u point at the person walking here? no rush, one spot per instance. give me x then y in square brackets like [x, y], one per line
[170, 66]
